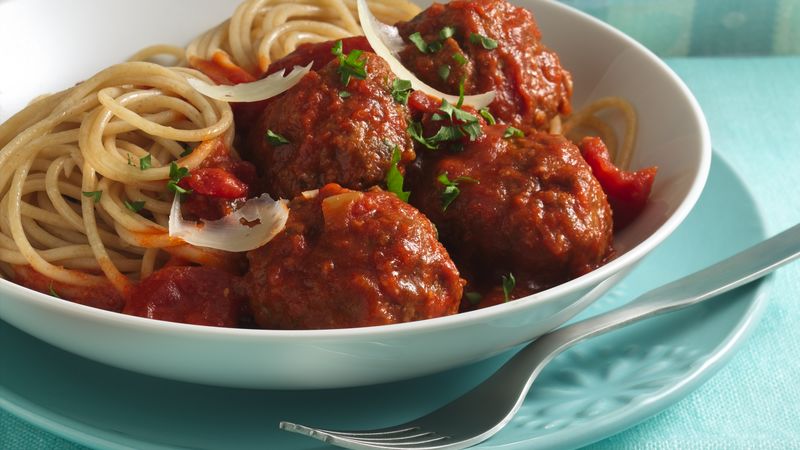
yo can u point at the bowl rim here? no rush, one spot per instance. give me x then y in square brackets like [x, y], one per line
[462, 319]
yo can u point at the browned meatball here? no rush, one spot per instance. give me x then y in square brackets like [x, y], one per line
[494, 46]
[526, 205]
[333, 132]
[351, 259]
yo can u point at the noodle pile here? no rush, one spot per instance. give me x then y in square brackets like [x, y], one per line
[83, 190]
[83, 186]
[261, 31]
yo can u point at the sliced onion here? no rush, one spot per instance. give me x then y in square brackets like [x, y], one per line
[383, 40]
[263, 219]
[256, 91]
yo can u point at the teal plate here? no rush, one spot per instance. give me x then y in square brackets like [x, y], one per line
[595, 390]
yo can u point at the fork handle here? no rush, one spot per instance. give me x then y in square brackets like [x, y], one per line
[730, 273]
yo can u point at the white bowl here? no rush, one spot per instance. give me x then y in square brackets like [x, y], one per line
[673, 135]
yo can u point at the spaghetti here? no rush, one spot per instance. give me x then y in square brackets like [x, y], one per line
[89, 180]
[85, 170]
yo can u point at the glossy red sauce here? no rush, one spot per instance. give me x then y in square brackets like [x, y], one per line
[530, 85]
[194, 295]
[221, 180]
[351, 259]
[329, 137]
[528, 206]
[627, 191]
[535, 206]
[102, 296]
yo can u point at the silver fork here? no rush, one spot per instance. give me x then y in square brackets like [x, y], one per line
[486, 409]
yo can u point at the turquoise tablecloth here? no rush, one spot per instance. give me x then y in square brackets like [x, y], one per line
[753, 108]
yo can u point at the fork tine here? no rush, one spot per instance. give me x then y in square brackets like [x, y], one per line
[380, 432]
[374, 439]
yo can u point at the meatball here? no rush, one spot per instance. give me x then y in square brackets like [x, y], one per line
[523, 205]
[489, 45]
[351, 259]
[327, 130]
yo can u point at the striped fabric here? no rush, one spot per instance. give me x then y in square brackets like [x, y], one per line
[704, 27]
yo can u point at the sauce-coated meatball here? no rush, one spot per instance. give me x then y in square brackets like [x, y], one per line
[351, 259]
[525, 205]
[494, 46]
[332, 132]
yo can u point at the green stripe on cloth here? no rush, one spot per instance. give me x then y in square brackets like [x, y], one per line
[787, 28]
[663, 25]
[704, 27]
[733, 27]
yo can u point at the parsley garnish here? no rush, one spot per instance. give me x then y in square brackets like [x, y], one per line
[462, 124]
[473, 297]
[432, 47]
[484, 112]
[451, 190]
[446, 32]
[276, 139]
[509, 282]
[485, 42]
[401, 90]
[444, 72]
[415, 131]
[145, 162]
[187, 149]
[394, 179]
[459, 58]
[175, 175]
[350, 65]
[513, 132]
[94, 195]
[134, 206]
[53, 291]
[344, 94]
[420, 43]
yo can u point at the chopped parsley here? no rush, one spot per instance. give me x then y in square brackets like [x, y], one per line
[460, 93]
[276, 139]
[444, 72]
[509, 282]
[145, 162]
[462, 124]
[451, 190]
[483, 41]
[94, 195]
[134, 206]
[446, 32]
[415, 131]
[176, 174]
[401, 89]
[187, 150]
[394, 179]
[459, 58]
[512, 132]
[351, 65]
[484, 112]
[420, 43]
[53, 291]
[434, 46]
[344, 94]
[473, 297]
